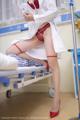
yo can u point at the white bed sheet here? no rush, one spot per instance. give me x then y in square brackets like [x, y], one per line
[20, 70]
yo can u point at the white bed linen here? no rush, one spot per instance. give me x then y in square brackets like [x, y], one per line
[20, 70]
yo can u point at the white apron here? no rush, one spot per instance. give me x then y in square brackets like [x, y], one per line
[46, 13]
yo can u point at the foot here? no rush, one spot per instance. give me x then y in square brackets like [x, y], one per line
[55, 108]
[54, 114]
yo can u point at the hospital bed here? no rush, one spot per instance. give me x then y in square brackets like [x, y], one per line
[24, 76]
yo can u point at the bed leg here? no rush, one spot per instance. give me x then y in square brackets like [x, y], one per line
[8, 93]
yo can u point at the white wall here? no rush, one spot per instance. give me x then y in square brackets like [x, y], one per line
[65, 63]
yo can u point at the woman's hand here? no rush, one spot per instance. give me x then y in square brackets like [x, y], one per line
[28, 17]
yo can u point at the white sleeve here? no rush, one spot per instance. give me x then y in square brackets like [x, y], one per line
[25, 8]
[50, 11]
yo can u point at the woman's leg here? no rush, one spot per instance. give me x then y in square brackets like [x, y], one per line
[24, 46]
[53, 64]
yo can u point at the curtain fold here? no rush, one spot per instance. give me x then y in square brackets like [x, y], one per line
[9, 10]
[62, 3]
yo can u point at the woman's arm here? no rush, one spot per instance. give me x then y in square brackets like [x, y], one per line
[28, 17]
[50, 11]
[45, 17]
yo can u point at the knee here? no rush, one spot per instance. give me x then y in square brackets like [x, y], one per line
[53, 64]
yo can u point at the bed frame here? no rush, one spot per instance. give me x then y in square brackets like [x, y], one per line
[24, 76]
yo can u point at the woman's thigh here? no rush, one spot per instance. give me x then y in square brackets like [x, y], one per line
[24, 45]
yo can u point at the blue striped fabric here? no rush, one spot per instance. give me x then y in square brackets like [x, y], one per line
[25, 62]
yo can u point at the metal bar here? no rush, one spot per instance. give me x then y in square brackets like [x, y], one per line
[75, 54]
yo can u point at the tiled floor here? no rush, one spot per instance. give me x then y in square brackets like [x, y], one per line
[35, 106]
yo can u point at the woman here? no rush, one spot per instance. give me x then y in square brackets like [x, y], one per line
[42, 43]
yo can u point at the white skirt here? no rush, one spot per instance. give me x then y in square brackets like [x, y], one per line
[40, 52]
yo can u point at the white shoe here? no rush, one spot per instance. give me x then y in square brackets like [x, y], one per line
[7, 62]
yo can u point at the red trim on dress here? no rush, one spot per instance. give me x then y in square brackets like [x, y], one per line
[35, 5]
[31, 5]
[41, 31]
